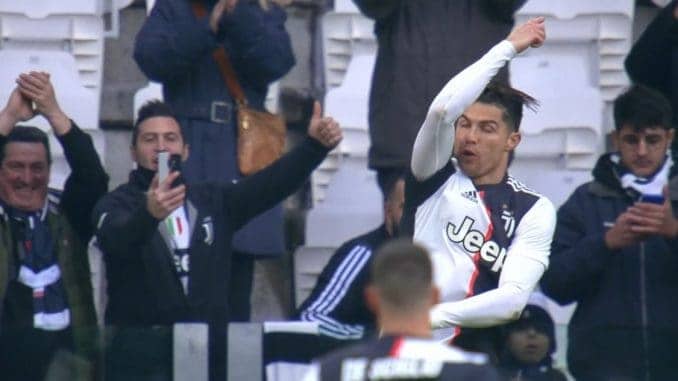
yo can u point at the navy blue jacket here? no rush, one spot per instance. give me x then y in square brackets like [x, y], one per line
[625, 320]
[175, 48]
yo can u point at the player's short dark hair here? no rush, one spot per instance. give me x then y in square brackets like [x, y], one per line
[641, 107]
[510, 100]
[26, 134]
[402, 273]
[149, 110]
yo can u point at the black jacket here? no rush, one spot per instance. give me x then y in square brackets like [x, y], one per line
[337, 301]
[143, 287]
[422, 44]
[625, 321]
[653, 60]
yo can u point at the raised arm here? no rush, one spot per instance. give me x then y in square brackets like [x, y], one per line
[526, 260]
[172, 40]
[433, 145]
[87, 181]
[259, 43]
[261, 191]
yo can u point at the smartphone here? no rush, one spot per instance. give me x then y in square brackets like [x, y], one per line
[652, 198]
[163, 165]
[174, 163]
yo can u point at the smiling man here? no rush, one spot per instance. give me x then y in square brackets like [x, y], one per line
[167, 246]
[45, 288]
[489, 235]
[615, 251]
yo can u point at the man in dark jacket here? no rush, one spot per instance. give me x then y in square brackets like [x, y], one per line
[337, 301]
[167, 246]
[614, 251]
[653, 60]
[45, 290]
[422, 44]
[175, 48]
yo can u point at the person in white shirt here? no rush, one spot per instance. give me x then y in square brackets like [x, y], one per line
[488, 234]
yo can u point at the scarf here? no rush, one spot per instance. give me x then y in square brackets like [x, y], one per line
[637, 186]
[177, 227]
[39, 270]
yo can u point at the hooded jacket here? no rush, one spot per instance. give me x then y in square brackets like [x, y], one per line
[624, 323]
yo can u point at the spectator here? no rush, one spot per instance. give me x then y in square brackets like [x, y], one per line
[404, 349]
[420, 44]
[47, 304]
[175, 48]
[337, 301]
[529, 343]
[489, 234]
[614, 251]
[159, 273]
[653, 60]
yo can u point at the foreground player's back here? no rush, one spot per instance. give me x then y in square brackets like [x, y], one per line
[402, 358]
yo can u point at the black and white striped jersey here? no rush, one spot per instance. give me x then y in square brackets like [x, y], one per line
[472, 233]
[402, 358]
[489, 244]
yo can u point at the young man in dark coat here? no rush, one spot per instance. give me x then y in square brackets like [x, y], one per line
[175, 48]
[167, 246]
[614, 251]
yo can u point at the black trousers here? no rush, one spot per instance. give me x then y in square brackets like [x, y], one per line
[26, 354]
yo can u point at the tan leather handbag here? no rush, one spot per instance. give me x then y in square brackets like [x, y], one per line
[261, 134]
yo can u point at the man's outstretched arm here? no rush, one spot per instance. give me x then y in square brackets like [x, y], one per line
[433, 145]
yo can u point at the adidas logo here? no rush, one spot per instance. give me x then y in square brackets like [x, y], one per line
[470, 195]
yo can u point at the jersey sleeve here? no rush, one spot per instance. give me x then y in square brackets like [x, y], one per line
[526, 261]
[534, 233]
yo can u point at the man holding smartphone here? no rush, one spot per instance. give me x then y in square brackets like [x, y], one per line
[615, 251]
[167, 247]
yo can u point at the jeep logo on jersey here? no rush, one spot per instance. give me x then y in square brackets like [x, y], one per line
[473, 241]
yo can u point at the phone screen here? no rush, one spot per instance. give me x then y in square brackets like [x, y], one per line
[163, 165]
[652, 198]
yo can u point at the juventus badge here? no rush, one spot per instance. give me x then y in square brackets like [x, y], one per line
[209, 230]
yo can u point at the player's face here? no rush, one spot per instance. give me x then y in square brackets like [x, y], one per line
[24, 176]
[528, 345]
[483, 142]
[642, 152]
[157, 134]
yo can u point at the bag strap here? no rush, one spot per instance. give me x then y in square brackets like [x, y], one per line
[222, 60]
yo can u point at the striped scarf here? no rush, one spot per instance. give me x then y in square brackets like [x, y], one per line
[39, 270]
[637, 186]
